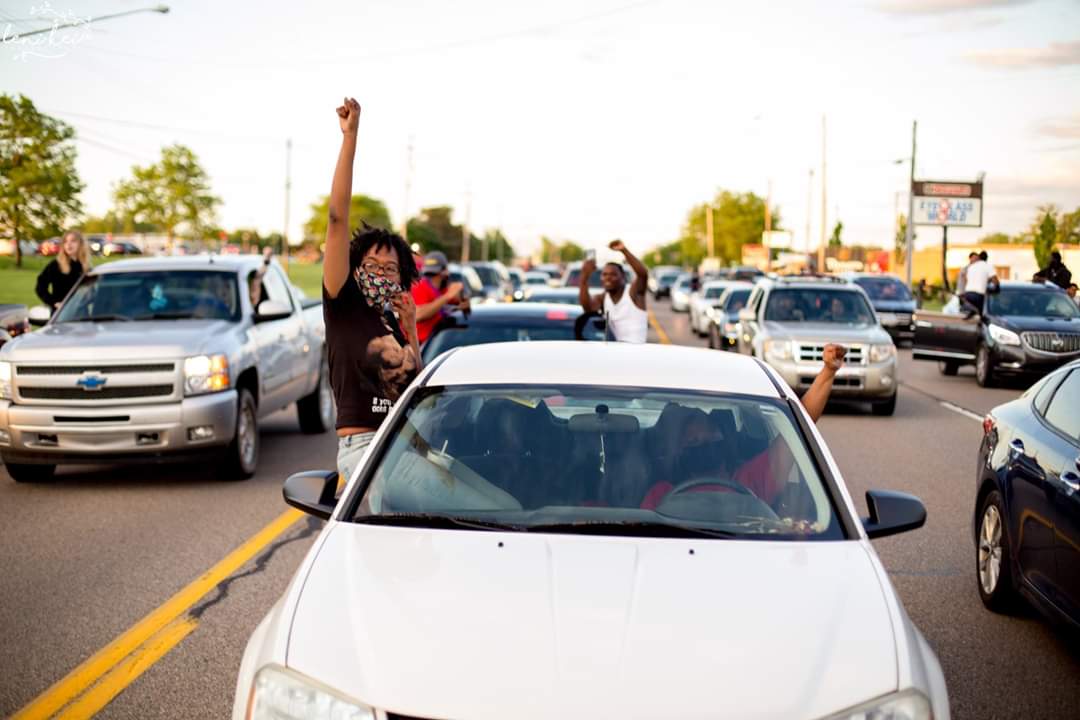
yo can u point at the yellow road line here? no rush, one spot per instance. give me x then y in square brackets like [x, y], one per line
[93, 668]
[659, 330]
[125, 673]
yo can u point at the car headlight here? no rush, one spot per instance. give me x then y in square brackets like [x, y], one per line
[206, 374]
[730, 328]
[1003, 336]
[906, 705]
[778, 349]
[5, 380]
[881, 353]
[280, 694]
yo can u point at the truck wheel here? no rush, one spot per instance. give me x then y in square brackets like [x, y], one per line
[948, 367]
[885, 408]
[984, 367]
[21, 473]
[242, 456]
[316, 411]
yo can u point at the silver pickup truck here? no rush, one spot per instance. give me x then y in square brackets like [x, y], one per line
[163, 359]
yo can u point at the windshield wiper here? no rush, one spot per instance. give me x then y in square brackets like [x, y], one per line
[103, 318]
[173, 315]
[631, 528]
[427, 520]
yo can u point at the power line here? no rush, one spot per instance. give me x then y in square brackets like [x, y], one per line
[165, 128]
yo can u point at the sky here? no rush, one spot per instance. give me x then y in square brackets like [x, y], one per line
[574, 119]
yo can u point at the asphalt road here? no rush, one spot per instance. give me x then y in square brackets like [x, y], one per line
[89, 555]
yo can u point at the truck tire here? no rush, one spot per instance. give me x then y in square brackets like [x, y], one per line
[22, 473]
[242, 456]
[316, 411]
[886, 408]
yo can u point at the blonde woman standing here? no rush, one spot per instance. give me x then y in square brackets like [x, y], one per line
[60, 275]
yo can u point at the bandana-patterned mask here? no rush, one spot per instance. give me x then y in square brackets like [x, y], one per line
[377, 289]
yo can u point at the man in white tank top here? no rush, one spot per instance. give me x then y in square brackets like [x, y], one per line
[624, 306]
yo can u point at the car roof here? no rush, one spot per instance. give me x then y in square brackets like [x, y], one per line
[234, 263]
[1023, 285]
[611, 364]
[818, 283]
[722, 284]
[530, 311]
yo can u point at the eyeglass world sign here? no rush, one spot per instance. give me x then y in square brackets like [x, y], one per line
[948, 203]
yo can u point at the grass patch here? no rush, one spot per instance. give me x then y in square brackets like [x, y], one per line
[307, 277]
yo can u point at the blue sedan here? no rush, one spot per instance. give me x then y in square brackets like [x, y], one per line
[1027, 515]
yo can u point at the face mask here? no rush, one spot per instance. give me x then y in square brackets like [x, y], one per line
[377, 289]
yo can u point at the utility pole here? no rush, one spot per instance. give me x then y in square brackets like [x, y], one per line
[288, 187]
[768, 228]
[408, 187]
[909, 233]
[824, 210]
[809, 208]
[709, 229]
[465, 227]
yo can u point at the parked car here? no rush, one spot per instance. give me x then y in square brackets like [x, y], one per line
[506, 549]
[703, 302]
[498, 286]
[723, 327]
[49, 247]
[519, 322]
[537, 278]
[1027, 507]
[96, 243]
[14, 321]
[664, 279]
[680, 292]
[656, 272]
[788, 321]
[892, 301]
[472, 286]
[560, 295]
[1026, 329]
[120, 247]
[162, 359]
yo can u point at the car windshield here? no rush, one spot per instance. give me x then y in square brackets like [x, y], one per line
[594, 460]
[667, 278]
[557, 328]
[736, 301]
[884, 288]
[818, 305]
[152, 295]
[714, 293]
[1022, 302]
[488, 275]
[468, 278]
[540, 279]
[683, 283]
[574, 277]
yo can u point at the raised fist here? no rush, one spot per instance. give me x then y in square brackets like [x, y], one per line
[833, 355]
[349, 115]
[617, 246]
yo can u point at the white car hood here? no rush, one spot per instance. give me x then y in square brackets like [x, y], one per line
[473, 625]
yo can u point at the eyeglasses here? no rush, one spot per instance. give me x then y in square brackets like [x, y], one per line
[390, 270]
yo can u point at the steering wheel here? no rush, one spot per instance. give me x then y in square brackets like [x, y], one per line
[701, 482]
[583, 320]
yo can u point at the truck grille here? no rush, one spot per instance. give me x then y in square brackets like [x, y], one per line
[109, 393]
[1052, 342]
[815, 353]
[80, 369]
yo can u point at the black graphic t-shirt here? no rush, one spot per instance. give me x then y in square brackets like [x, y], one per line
[369, 366]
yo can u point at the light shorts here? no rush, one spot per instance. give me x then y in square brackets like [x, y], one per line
[351, 450]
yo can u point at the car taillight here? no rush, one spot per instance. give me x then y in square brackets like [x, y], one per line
[988, 424]
[557, 315]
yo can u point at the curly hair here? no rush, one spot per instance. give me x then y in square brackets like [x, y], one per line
[367, 237]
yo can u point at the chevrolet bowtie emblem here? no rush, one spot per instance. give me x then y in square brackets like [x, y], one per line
[91, 382]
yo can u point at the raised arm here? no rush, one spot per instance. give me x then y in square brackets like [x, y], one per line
[815, 398]
[588, 302]
[641, 273]
[336, 257]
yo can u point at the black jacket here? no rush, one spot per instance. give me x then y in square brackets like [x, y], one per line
[53, 285]
[1058, 274]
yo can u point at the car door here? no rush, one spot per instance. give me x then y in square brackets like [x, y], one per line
[275, 340]
[748, 321]
[946, 335]
[1062, 462]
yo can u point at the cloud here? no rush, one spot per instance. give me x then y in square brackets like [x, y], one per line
[1060, 128]
[1059, 54]
[939, 7]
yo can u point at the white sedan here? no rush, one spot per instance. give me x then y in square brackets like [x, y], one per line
[581, 530]
[704, 301]
[680, 293]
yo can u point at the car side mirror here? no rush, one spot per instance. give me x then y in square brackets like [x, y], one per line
[271, 310]
[892, 512]
[313, 491]
[38, 315]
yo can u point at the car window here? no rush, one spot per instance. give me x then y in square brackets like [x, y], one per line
[149, 295]
[735, 301]
[1043, 391]
[713, 293]
[1032, 303]
[572, 456]
[488, 275]
[1063, 411]
[275, 288]
[884, 288]
[818, 305]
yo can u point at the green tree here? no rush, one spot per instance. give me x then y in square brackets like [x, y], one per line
[362, 208]
[566, 251]
[834, 238]
[738, 219]
[1068, 231]
[493, 245]
[171, 193]
[1045, 234]
[998, 238]
[39, 185]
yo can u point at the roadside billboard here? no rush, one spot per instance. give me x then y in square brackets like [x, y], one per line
[948, 203]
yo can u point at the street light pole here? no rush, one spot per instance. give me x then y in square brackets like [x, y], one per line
[909, 234]
[824, 207]
[78, 23]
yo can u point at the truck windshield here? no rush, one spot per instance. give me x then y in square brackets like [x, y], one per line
[154, 295]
